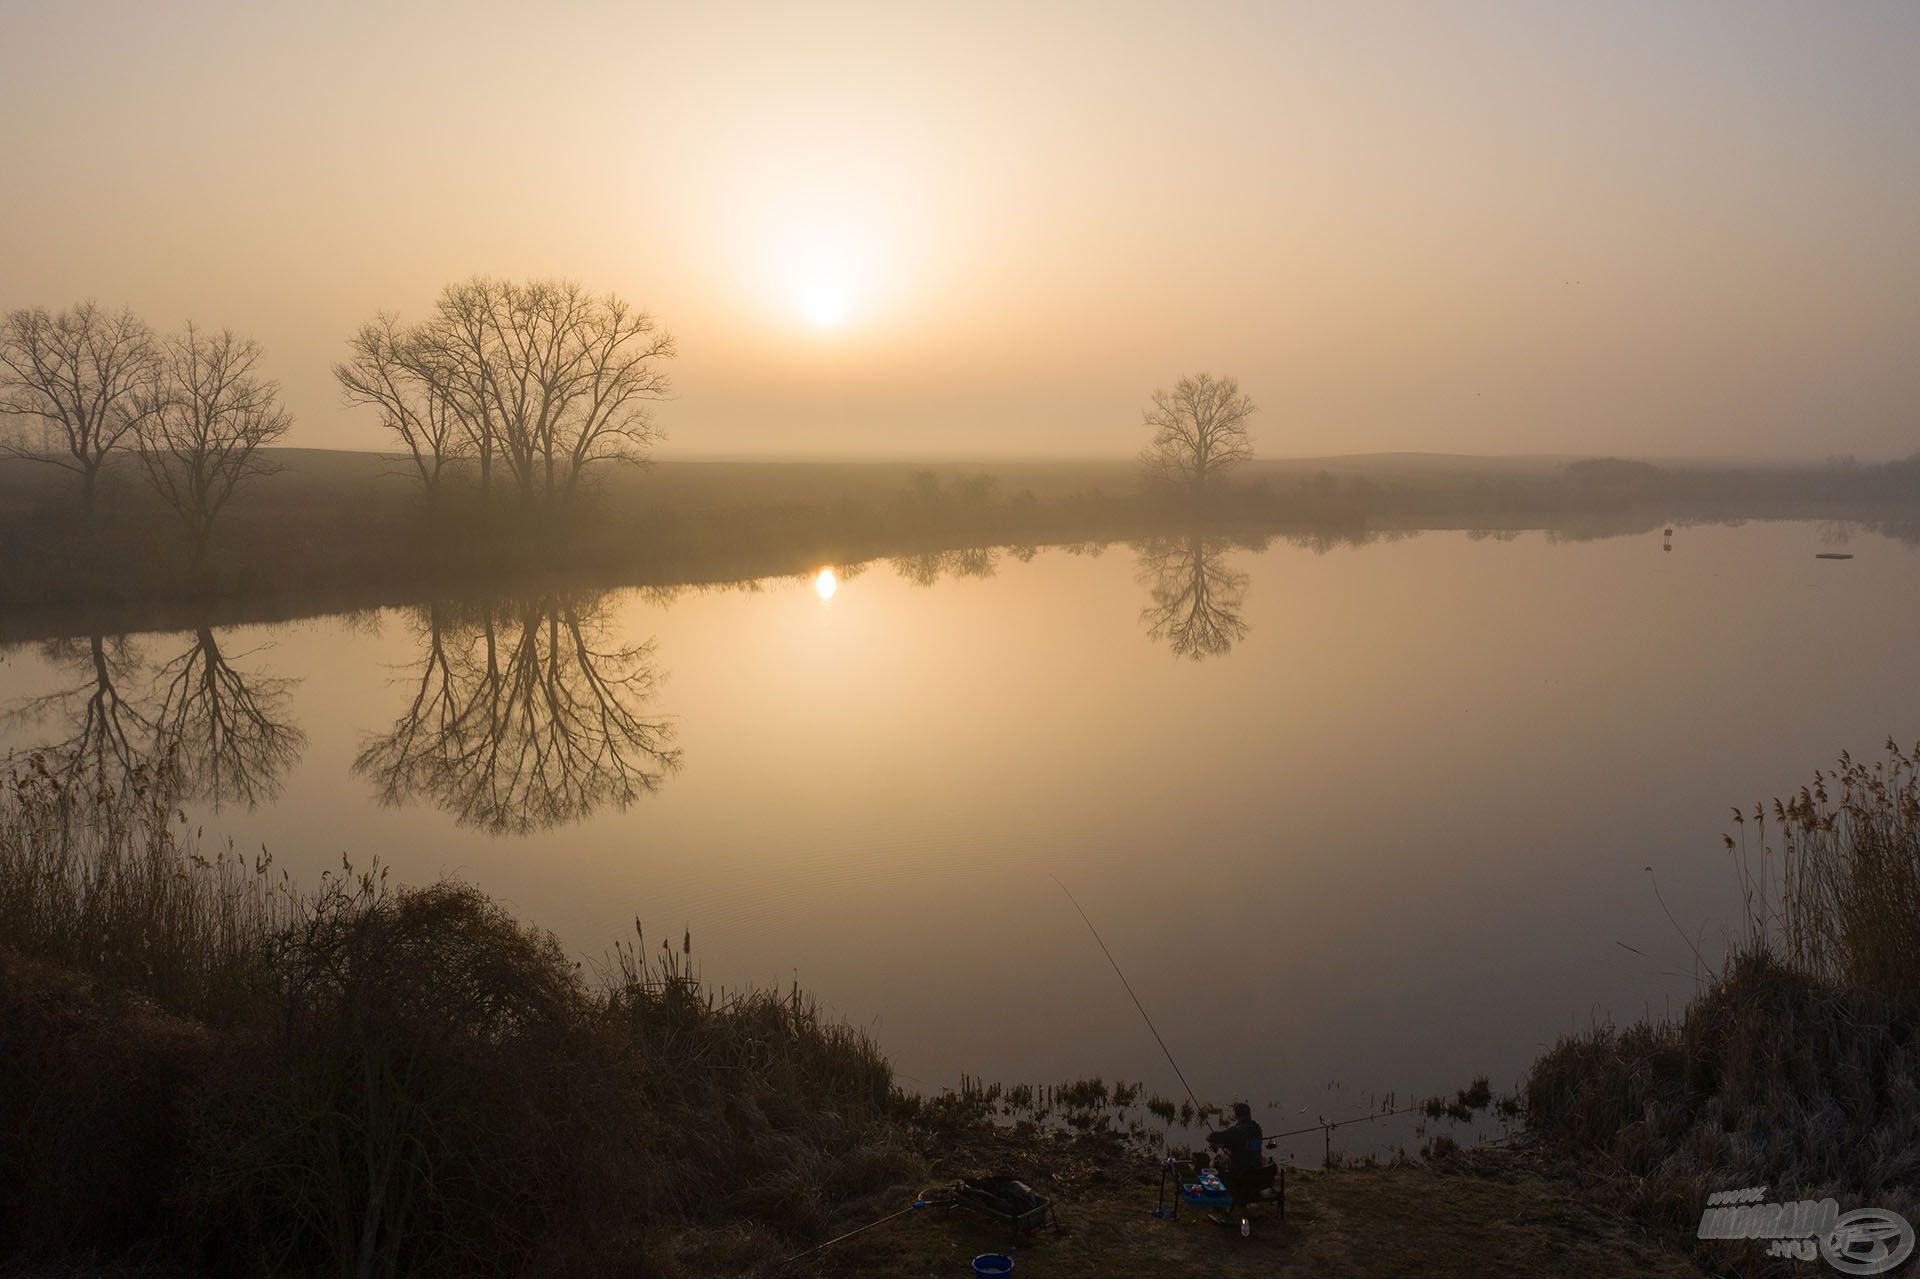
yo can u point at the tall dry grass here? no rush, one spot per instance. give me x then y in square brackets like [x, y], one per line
[114, 884]
[1847, 906]
[205, 1067]
[1798, 1067]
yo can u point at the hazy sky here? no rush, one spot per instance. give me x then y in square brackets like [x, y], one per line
[969, 228]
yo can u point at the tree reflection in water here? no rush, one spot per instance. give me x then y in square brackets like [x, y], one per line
[231, 733]
[224, 736]
[924, 568]
[524, 716]
[1194, 599]
[107, 736]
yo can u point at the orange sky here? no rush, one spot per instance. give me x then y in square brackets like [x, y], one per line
[977, 229]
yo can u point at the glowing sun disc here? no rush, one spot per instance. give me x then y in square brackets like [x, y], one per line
[826, 308]
[826, 584]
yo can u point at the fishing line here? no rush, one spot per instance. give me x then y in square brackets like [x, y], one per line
[923, 1202]
[1136, 999]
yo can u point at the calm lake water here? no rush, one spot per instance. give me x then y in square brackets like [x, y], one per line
[1354, 820]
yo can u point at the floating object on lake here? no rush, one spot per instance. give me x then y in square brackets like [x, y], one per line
[1833, 555]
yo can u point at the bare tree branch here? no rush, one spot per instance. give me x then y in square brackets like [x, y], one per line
[546, 377]
[404, 375]
[1199, 432]
[210, 416]
[80, 382]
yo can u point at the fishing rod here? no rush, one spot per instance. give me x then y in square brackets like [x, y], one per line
[1136, 998]
[924, 1201]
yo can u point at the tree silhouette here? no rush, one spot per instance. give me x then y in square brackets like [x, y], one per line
[524, 717]
[1199, 433]
[211, 417]
[540, 376]
[405, 375]
[84, 377]
[1194, 598]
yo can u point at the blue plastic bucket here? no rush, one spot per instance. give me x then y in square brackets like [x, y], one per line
[992, 1263]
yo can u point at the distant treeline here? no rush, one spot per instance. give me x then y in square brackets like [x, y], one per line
[142, 467]
[344, 528]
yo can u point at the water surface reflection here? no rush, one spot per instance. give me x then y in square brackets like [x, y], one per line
[524, 716]
[226, 734]
[1196, 600]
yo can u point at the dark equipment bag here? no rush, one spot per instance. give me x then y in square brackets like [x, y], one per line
[1007, 1200]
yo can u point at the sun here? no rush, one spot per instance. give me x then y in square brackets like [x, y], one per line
[823, 259]
[826, 584]
[826, 307]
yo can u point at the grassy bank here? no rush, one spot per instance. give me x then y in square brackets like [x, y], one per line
[206, 1070]
[1797, 1068]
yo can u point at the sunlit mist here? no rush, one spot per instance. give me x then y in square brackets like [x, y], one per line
[1634, 228]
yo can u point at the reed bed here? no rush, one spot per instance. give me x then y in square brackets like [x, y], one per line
[1848, 905]
[1798, 1066]
[115, 884]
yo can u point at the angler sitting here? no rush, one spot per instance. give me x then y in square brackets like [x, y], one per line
[1238, 1143]
[1241, 1163]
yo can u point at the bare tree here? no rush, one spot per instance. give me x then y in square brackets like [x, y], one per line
[1199, 432]
[76, 383]
[406, 376]
[211, 416]
[554, 377]
[458, 338]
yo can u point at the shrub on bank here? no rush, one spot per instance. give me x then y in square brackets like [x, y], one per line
[1798, 1068]
[1771, 1078]
[371, 1080]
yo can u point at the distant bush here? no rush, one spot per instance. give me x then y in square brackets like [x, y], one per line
[1613, 472]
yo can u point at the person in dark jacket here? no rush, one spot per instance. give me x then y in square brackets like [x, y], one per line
[1239, 1142]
